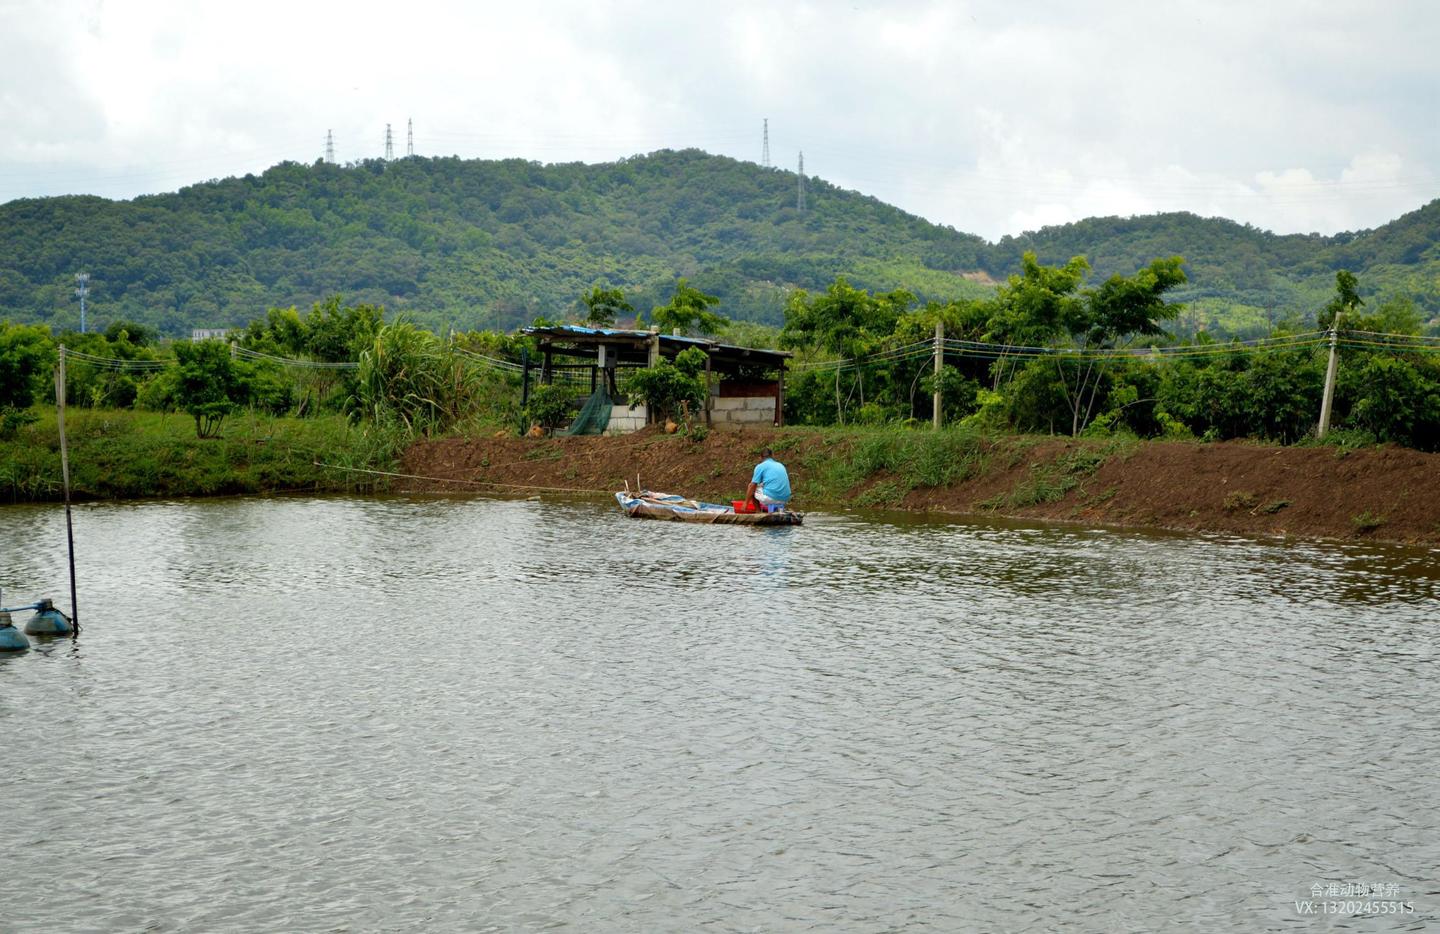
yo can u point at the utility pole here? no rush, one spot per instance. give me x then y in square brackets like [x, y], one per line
[330, 146]
[1330, 368]
[82, 291]
[800, 189]
[409, 136]
[765, 149]
[389, 145]
[939, 364]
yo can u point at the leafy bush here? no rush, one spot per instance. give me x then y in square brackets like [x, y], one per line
[550, 405]
[958, 392]
[1400, 404]
[27, 358]
[209, 384]
[664, 389]
[13, 419]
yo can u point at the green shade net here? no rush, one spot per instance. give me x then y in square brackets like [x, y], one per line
[594, 415]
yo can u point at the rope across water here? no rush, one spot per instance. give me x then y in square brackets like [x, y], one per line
[497, 483]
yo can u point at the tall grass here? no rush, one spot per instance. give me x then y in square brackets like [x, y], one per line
[1051, 482]
[894, 461]
[126, 454]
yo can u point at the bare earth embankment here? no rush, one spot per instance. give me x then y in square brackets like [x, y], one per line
[1385, 494]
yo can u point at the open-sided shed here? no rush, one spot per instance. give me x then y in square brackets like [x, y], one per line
[747, 385]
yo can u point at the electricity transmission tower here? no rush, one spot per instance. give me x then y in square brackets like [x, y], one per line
[800, 189]
[330, 146]
[389, 144]
[409, 136]
[82, 291]
[765, 150]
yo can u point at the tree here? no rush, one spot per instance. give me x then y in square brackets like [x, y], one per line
[667, 388]
[1396, 315]
[1044, 306]
[603, 305]
[671, 389]
[1122, 307]
[1032, 309]
[337, 334]
[845, 321]
[209, 384]
[549, 405]
[122, 331]
[1401, 401]
[1125, 306]
[689, 308]
[1039, 304]
[27, 357]
[1345, 300]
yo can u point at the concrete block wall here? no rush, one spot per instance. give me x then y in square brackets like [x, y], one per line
[737, 411]
[725, 411]
[624, 419]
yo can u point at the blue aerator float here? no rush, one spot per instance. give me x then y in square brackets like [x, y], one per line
[11, 639]
[48, 621]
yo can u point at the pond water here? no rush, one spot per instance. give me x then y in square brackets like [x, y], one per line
[361, 714]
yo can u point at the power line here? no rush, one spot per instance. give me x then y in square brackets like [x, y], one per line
[765, 149]
[991, 351]
[389, 145]
[290, 361]
[330, 146]
[409, 136]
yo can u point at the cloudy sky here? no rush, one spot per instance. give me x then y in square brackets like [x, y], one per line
[992, 117]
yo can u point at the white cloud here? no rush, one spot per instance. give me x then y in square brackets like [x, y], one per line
[985, 116]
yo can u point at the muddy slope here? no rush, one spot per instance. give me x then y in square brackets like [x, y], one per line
[1388, 494]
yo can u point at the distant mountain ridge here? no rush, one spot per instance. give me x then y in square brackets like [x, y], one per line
[470, 243]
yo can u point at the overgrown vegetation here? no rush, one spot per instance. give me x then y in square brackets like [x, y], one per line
[1051, 481]
[1366, 521]
[1048, 353]
[891, 462]
[131, 454]
[670, 390]
[476, 244]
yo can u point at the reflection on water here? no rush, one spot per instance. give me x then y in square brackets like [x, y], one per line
[479, 714]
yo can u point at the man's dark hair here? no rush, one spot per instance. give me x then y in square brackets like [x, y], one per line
[766, 453]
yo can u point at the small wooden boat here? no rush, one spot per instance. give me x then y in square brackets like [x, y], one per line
[648, 505]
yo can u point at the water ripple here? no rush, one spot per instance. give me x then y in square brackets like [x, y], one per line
[478, 714]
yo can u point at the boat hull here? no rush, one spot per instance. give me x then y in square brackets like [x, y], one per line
[672, 508]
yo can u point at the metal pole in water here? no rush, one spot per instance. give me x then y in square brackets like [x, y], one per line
[65, 474]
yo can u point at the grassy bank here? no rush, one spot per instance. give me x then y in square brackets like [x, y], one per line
[1378, 493]
[1367, 493]
[125, 454]
[884, 467]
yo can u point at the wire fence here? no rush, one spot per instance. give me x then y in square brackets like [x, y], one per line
[950, 347]
[956, 347]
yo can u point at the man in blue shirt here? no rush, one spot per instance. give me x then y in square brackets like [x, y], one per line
[770, 484]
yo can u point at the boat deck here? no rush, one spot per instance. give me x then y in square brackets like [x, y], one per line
[669, 506]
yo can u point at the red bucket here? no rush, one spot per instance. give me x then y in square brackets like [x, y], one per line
[739, 505]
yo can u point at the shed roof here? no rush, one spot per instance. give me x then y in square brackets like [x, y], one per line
[575, 340]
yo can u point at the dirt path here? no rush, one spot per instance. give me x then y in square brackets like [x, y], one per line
[1385, 494]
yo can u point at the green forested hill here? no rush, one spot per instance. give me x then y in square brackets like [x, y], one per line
[1243, 278]
[483, 243]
